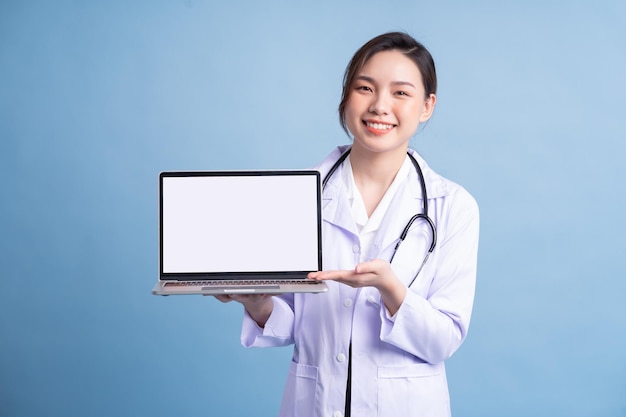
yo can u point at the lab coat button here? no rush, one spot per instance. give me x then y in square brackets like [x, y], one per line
[337, 414]
[347, 302]
[341, 357]
[355, 248]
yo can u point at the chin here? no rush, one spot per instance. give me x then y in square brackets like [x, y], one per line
[381, 145]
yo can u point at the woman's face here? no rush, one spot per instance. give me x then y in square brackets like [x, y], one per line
[387, 103]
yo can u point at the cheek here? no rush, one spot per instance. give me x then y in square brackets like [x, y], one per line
[413, 114]
[350, 106]
[352, 122]
[352, 111]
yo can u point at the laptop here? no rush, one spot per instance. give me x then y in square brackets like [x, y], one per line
[239, 232]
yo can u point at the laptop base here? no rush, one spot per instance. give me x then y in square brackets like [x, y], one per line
[273, 287]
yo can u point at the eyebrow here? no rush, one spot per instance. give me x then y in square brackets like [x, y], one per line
[371, 80]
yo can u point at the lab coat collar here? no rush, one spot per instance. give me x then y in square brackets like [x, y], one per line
[436, 186]
[335, 203]
[336, 206]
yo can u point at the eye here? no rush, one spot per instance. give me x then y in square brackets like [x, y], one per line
[363, 88]
[402, 93]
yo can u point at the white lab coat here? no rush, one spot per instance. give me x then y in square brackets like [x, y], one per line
[397, 362]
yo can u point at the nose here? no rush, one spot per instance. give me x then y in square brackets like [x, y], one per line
[379, 105]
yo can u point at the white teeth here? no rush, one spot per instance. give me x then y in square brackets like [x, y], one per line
[378, 126]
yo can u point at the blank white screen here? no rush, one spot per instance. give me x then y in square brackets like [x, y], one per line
[240, 223]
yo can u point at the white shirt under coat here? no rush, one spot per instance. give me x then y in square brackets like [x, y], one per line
[397, 362]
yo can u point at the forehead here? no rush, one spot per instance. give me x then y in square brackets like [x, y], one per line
[391, 65]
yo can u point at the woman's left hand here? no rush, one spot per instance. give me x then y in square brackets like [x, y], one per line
[376, 273]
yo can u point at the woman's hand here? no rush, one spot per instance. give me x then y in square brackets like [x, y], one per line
[258, 306]
[376, 273]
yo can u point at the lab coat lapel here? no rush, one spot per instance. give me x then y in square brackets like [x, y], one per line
[335, 205]
[406, 203]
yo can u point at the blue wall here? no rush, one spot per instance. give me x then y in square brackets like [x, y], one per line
[97, 97]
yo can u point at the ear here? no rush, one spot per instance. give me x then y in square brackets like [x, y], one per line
[429, 107]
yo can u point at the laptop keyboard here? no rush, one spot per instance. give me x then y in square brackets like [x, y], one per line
[236, 283]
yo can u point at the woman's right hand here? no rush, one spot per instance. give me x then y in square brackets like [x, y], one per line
[258, 306]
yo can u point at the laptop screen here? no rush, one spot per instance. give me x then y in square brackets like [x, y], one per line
[219, 223]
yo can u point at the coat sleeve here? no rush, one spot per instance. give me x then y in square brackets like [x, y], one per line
[278, 330]
[433, 327]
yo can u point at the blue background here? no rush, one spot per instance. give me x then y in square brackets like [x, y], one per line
[97, 97]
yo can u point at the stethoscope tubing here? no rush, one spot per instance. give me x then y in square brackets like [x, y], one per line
[424, 215]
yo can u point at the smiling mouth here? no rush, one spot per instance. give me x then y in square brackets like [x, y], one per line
[379, 126]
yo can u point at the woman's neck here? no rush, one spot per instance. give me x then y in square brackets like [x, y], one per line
[374, 172]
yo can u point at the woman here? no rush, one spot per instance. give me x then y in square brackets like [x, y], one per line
[376, 343]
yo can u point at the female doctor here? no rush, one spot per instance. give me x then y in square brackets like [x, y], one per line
[376, 343]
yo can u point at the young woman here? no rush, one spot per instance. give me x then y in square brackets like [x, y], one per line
[400, 250]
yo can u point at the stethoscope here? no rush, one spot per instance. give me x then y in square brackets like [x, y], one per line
[423, 215]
